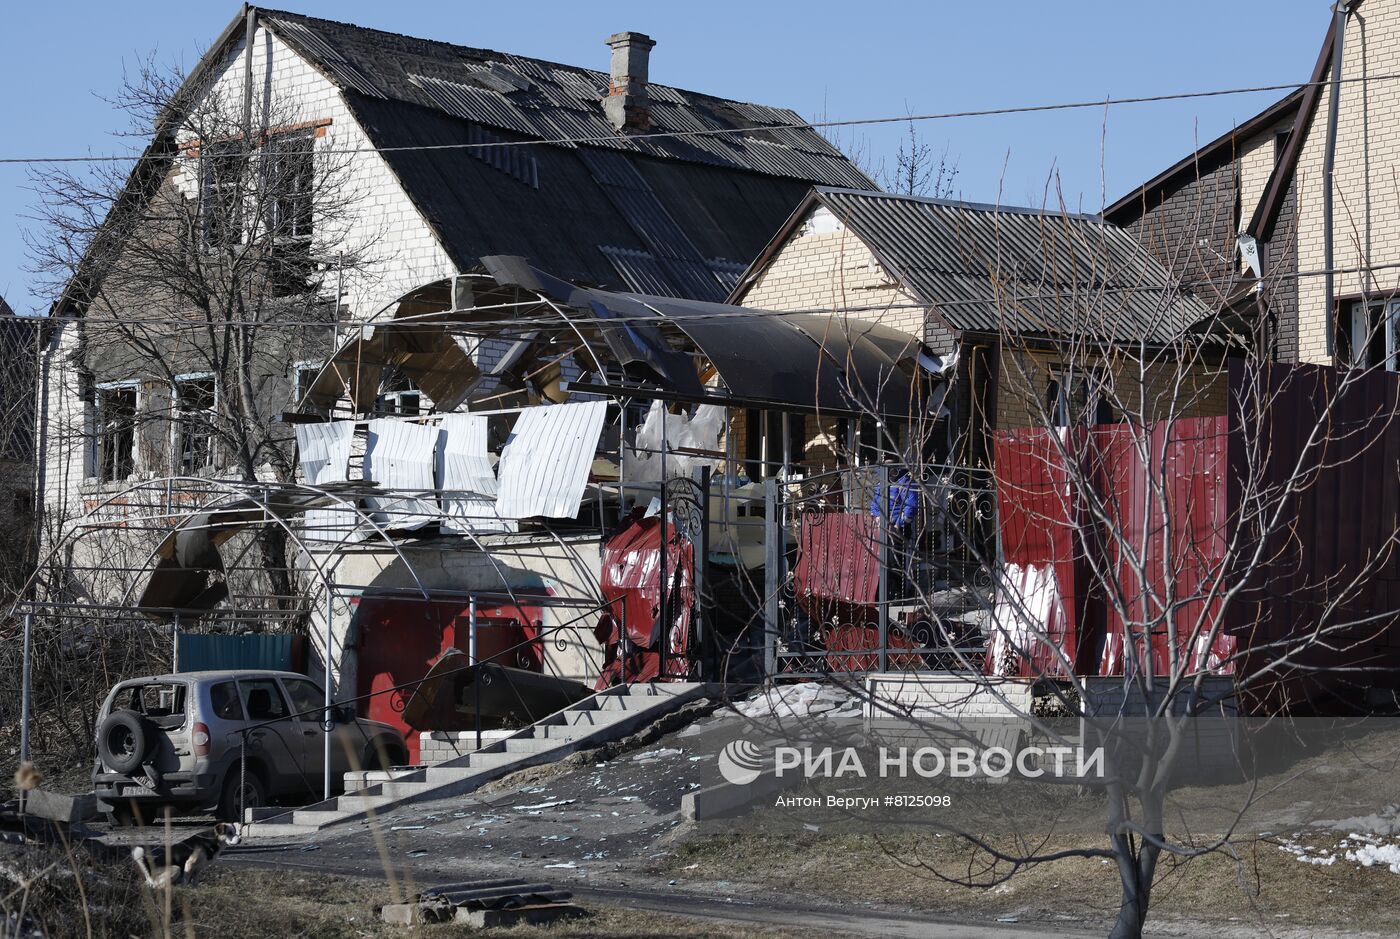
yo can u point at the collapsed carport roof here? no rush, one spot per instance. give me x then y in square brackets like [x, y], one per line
[783, 361]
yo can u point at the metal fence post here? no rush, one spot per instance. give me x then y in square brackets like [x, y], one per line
[700, 557]
[882, 523]
[326, 724]
[479, 673]
[773, 553]
[25, 688]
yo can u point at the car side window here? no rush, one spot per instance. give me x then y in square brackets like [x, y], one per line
[262, 699]
[307, 698]
[223, 699]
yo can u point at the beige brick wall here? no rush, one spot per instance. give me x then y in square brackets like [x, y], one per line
[1152, 392]
[1367, 194]
[824, 266]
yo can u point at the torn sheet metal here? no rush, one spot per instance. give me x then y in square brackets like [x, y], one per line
[189, 570]
[324, 453]
[399, 457]
[699, 431]
[545, 463]
[467, 477]
[454, 691]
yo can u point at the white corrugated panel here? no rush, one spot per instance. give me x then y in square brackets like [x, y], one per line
[545, 463]
[399, 457]
[324, 454]
[466, 477]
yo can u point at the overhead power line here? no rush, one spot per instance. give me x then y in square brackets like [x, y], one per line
[722, 131]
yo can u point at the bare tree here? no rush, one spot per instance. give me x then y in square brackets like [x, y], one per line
[197, 283]
[1178, 482]
[918, 169]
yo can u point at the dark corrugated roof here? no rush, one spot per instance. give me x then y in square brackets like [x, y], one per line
[672, 216]
[547, 100]
[992, 268]
[615, 220]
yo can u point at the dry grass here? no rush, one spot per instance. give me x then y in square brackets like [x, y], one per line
[1265, 885]
[253, 902]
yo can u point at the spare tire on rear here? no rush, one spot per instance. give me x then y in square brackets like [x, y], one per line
[124, 741]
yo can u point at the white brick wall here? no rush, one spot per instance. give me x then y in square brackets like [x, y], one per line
[402, 250]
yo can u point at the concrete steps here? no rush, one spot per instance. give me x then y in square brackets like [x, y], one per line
[606, 716]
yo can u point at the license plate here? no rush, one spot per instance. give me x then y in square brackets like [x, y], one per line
[137, 791]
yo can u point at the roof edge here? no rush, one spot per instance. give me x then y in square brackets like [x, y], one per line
[1194, 164]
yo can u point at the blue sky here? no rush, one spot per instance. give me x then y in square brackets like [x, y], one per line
[57, 60]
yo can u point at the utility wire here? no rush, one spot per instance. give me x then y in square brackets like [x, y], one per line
[723, 131]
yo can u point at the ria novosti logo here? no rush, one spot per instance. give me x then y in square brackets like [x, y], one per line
[741, 762]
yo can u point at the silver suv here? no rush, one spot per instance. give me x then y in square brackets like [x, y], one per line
[176, 740]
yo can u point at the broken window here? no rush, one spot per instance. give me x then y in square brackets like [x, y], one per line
[766, 449]
[1368, 334]
[221, 193]
[1078, 396]
[289, 180]
[195, 401]
[398, 395]
[116, 431]
[303, 377]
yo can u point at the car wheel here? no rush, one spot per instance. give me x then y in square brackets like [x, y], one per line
[242, 790]
[384, 758]
[124, 740]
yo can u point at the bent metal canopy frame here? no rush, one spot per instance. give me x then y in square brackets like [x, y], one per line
[512, 334]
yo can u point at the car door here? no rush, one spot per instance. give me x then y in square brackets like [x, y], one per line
[308, 703]
[275, 737]
[348, 742]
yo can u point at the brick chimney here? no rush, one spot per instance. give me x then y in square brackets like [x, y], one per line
[626, 104]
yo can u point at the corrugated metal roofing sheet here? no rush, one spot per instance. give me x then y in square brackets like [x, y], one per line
[399, 456]
[990, 268]
[545, 462]
[461, 81]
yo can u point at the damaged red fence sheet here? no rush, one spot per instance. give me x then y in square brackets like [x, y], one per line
[1160, 491]
[631, 585]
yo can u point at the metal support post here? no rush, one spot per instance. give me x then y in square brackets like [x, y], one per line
[701, 559]
[25, 688]
[326, 724]
[664, 539]
[882, 522]
[175, 644]
[773, 554]
[477, 672]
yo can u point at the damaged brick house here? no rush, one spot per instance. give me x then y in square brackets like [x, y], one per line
[999, 292]
[446, 154]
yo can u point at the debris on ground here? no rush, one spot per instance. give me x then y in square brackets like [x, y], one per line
[484, 903]
[805, 699]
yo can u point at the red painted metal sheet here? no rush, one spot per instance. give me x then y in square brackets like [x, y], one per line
[838, 556]
[1163, 490]
[399, 639]
[1040, 527]
[630, 580]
